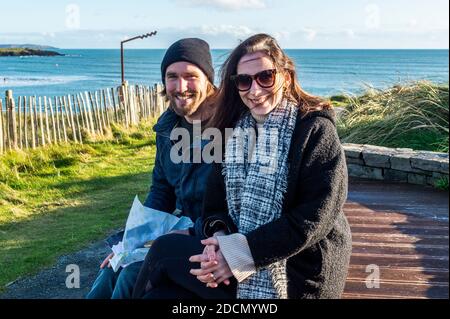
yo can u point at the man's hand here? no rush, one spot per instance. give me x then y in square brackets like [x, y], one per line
[106, 261]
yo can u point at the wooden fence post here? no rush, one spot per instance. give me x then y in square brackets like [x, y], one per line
[25, 121]
[99, 129]
[36, 121]
[41, 122]
[63, 116]
[89, 112]
[11, 105]
[107, 107]
[138, 103]
[113, 103]
[81, 114]
[77, 121]
[101, 116]
[53, 120]
[68, 104]
[149, 101]
[159, 100]
[134, 113]
[47, 127]
[19, 117]
[58, 127]
[7, 116]
[32, 124]
[1, 126]
[123, 93]
[115, 93]
[153, 97]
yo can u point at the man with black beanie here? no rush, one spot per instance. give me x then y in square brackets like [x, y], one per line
[188, 76]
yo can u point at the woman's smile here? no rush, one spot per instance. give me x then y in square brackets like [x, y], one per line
[258, 100]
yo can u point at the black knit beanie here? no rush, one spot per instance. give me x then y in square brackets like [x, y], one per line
[192, 50]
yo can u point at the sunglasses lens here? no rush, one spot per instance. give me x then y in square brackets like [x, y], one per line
[266, 78]
[243, 82]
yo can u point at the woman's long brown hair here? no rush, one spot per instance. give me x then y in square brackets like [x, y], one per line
[229, 105]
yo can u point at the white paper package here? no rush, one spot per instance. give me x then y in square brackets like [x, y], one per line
[144, 224]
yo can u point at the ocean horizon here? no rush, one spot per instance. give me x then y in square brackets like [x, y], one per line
[323, 72]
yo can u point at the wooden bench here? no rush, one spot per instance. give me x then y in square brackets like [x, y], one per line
[400, 232]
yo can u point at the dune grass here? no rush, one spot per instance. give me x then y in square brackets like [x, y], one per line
[414, 116]
[55, 200]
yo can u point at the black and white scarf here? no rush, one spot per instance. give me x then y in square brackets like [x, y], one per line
[256, 172]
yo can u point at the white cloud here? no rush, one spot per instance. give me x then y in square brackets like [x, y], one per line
[310, 34]
[235, 31]
[225, 4]
[373, 16]
[413, 23]
[350, 33]
[228, 36]
[282, 35]
[403, 38]
[49, 34]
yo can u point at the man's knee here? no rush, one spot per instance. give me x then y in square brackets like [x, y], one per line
[130, 273]
[126, 281]
[103, 285]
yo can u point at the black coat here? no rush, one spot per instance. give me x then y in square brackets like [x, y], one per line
[312, 233]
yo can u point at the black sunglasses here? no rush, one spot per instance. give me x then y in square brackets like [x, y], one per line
[265, 79]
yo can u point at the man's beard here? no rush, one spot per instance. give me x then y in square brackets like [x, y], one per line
[184, 107]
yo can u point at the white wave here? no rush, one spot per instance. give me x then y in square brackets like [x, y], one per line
[17, 81]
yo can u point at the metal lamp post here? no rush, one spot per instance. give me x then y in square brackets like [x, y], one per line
[121, 50]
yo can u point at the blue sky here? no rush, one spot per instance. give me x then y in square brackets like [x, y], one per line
[296, 23]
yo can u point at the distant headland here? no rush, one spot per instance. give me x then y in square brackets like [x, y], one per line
[27, 50]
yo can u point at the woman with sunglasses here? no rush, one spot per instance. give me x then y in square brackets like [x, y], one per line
[273, 218]
[284, 233]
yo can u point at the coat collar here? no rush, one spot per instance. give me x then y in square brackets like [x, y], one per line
[166, 122]
[329, 114]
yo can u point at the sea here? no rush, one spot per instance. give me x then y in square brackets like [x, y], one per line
[320, 72]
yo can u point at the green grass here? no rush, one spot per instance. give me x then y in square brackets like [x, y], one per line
[339, 100]
[410, 116]
[442, 184]
[55, 200]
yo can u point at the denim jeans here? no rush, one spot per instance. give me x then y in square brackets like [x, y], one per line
[115, 285]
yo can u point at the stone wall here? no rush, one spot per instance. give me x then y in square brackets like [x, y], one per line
[396, 164]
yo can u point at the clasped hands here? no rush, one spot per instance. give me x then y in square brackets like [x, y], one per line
[214, 269]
